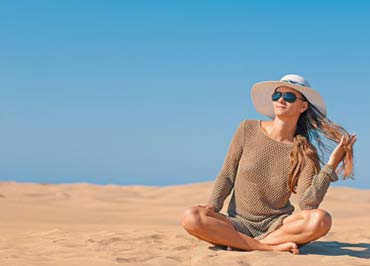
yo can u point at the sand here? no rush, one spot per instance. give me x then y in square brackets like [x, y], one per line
[85, 224]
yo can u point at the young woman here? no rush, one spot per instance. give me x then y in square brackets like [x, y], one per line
[266, 162]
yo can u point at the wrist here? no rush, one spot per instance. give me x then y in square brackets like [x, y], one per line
[332, 164]
[331, 171]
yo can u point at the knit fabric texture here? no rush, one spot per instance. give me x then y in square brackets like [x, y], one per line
[256, 170]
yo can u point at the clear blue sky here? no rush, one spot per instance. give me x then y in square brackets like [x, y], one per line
[151, 92]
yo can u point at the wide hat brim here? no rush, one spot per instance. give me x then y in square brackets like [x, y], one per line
[261, 93]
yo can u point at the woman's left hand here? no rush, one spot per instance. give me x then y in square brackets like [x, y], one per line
[345, 144]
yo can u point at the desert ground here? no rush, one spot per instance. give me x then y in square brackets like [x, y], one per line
[85, 224]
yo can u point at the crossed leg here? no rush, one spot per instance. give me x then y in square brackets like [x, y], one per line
[301, 228]
[216, 229]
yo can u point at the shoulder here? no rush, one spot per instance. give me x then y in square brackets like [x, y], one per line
[248, 124]
[247, 127]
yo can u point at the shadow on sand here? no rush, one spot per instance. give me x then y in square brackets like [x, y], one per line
[335, 248]
[327, 248]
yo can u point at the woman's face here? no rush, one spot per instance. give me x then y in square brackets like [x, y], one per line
[284, 108]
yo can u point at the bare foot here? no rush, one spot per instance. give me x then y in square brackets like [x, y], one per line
[289, 246]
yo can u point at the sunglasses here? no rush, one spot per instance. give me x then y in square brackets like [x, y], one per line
[288, 96]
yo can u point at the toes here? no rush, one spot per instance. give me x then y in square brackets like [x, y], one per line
[294, 248]
[294, 251]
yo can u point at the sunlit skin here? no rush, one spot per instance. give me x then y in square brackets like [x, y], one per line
[283, 127]
[300, 228]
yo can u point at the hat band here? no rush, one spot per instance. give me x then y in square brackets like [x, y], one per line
[293, 82]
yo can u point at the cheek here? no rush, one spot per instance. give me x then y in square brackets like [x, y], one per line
[299, 109]
[292, 108]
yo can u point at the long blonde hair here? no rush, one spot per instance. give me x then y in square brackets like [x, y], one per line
[310, 123]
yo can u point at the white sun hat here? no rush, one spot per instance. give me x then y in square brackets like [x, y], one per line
[262, 91]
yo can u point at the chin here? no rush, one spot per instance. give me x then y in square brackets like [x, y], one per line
[281, 114]
[280, 111]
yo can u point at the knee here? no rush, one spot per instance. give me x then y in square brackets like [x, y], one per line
[320, 222]
[191, 219]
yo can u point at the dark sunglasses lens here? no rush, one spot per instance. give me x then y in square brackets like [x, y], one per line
[276, 96]
[290, 97]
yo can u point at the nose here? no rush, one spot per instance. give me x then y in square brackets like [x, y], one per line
[281, 100]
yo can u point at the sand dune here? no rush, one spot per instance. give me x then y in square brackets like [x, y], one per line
[84, 224]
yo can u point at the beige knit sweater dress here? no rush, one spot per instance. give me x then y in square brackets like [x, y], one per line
[256, 170]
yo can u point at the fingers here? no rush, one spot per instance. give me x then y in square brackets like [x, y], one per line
[347, 141]
[341, 140]
[354, 138]
[350, 140]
